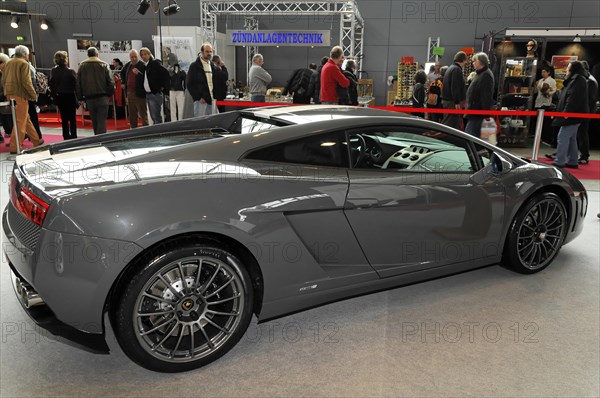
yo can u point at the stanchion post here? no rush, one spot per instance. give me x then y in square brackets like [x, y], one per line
[538, 134]
[13, 104]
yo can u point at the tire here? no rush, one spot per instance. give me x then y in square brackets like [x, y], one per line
[536, 234]
[185, 306]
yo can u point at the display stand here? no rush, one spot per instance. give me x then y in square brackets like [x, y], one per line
[406, 83]
[365, 92]
[515, 92]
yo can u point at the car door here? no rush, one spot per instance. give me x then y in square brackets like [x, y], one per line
[418, 199]
[306, 202]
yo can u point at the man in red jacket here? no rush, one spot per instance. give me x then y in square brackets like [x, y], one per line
[332, 77]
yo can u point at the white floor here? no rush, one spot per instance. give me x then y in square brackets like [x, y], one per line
[489, 333]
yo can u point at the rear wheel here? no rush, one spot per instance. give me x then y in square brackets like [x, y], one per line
[186, 306]
[536, 234]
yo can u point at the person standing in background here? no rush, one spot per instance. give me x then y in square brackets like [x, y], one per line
[7, 122]
[94, 86]
[131, 76]
[314, 88]
[33, 108]
[156, 83]
[62, 90]
[200, 83]
[480, 95]
[418, 98]
[220, 79]
[454, 90]
[258, 79]
[573, 99]
[583, 134]
[177, 93]
[16, 80]
[332, 77]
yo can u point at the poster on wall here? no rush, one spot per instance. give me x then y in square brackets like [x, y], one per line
[560, 63]
[107, 50]
[176, 50]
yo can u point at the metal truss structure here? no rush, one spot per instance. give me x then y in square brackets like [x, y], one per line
[431, 44]
[352, 25]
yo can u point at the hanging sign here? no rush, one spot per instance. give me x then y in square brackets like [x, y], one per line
[288, 38]
[439, 51]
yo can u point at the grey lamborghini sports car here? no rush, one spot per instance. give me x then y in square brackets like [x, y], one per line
[182, 232]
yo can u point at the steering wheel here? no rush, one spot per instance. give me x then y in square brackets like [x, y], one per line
[361, 148]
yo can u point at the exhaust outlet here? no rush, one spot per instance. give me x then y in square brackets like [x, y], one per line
[28, 297]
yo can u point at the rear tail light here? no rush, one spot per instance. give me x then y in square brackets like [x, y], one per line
[26, 202]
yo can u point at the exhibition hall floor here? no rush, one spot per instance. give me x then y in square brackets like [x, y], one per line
[489, 333]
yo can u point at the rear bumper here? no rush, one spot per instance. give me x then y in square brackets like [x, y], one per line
[43, 316]
[71, 274]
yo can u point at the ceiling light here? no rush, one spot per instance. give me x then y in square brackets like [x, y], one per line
[172, 8]
[44, 24]
[143, 6]
[14, 22]
[577, 39]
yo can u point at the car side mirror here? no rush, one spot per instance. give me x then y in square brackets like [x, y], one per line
[499, 165]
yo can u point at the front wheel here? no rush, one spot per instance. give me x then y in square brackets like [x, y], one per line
[186, 306]
[536, 234]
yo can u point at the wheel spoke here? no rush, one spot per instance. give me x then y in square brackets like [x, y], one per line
[192, 346]
[217, 326]
[219, 289]
[178, 340]
[209, 303]
[526, 256]
[535, 251]
[545, 217]
[160, 325]
[529, 227]
[162, 300]
[234, 314]
[171, 288]
[526, 246]
[197, 281]
[208, 341]
[212, 278]
[158, 313]
[166, 337]
[183, 283]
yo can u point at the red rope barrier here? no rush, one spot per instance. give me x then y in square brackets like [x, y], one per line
[406, 109]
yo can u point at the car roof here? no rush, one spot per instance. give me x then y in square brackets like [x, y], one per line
[233, 147]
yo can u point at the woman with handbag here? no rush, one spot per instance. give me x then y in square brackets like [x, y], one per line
[62, 89]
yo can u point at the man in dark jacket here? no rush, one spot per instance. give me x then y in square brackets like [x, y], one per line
[297, 85]
[480, 93]
[583, 138]
[156, 82]
[314, 87]
[200, 83]
[454, 90]
[94, 86]
[132, 78]
[349, 96]
[573, 99]
[220, 77]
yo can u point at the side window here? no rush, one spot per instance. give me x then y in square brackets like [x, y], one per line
[483, 154]
[327, 149]
[251, 126]
[410, 149]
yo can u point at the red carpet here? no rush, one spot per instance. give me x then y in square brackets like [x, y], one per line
[48, 139]
[589, 171]
[53, 120]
